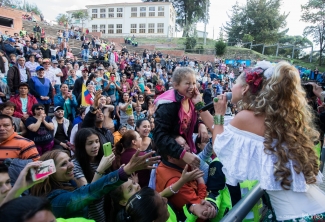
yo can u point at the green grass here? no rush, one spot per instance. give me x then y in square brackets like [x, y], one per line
[179, 44]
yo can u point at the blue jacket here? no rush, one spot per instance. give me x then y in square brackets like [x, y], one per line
[59, 101]
[68, 204]
[9, 49]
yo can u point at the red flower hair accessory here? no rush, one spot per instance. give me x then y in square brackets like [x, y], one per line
[254, 79]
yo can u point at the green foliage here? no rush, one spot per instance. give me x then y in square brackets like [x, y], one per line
[188, 12]
[82, 15]
[220, 47]
[190, 43]
[261, 19]
[18, 4]
[248, 38]
[297, 41]
[314, 12]
[63, 19]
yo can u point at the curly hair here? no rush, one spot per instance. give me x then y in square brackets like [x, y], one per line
[288, 119]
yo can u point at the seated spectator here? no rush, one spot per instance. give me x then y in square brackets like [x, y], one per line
[66, 199]
[130, 123]
[80, 117]
[90, 165]
[41, 88]
[8, 108]
[71, 79]
[168, 172]
[62, 129]
[32, 64]
[17, 74]
[137, 113]
[143, 128]
[108, 112]
[5, 185]
[125, 149]
[39, 128]
[119, 133]
[160, 88]
[24, 102]
[126, 202]
[13, 145]
[68, 101]
[95, 119]
[4, 91]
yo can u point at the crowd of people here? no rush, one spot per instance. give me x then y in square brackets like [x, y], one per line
[170, 160]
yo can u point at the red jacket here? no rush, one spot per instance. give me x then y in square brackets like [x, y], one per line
[31, 100]
[191, 192]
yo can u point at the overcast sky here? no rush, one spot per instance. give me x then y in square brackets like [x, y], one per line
[218, 12]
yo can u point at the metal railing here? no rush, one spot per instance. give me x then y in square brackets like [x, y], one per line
[242, 208]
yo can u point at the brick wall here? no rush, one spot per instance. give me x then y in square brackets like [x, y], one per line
[173, 53]
[201, 57]
[14, 14]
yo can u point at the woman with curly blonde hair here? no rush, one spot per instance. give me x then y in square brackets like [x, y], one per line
[270, 140]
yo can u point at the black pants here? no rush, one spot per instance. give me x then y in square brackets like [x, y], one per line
[46, 108]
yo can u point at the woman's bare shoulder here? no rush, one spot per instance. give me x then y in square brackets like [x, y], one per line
[247, 120]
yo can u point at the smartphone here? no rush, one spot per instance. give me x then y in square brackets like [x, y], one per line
[107, 147]
[46, 168]
[112, 78]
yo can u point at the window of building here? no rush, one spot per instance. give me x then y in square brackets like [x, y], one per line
[7, 22]
[102, 13]
[161, 11]
[152, 9]
[143, 11]
[94, 28]
[119, 13]
[152, 14]
[134, 12]
[151, 28]
[110, 29]
[142, 28]
[110, 12]
[94, 13]
[119, 28]
[102, 28]
[133, 28]
[160, 28]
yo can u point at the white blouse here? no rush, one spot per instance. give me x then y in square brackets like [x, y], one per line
[243, 158]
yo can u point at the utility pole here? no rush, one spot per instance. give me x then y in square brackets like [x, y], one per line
[213, 33]
[205, 22]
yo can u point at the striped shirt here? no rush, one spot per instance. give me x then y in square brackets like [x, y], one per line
[18, 147]
[96, 209]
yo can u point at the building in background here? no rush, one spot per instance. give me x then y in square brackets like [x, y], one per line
[149, 19]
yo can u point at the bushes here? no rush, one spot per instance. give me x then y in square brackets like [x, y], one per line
[220, 47]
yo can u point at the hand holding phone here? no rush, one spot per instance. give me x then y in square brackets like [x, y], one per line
[107, 147]
[45, 169]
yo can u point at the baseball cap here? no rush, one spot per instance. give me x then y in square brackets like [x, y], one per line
[100, 68]
[11, 40]
[38, 68]
[46, 61]
[55, 61]
[57, 108]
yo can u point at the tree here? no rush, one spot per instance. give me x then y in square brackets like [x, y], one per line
[314, 12]
[82, 15]
[260, 19]
[63, 19]
[297, 41]
[188, 12]
[220, 47]
[190, 43]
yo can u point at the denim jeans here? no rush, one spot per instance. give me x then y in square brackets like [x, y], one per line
[57, 88]
[59, 40]
[85, 55]
[64, 52]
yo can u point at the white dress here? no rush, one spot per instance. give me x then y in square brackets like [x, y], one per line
[243, 158]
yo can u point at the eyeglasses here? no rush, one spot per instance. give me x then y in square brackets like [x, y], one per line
[39, 108]
[21, 60]
[60, 111]
[140, 97]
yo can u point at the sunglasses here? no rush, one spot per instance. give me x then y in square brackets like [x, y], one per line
[40, 108]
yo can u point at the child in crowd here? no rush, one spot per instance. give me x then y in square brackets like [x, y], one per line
[175, 115]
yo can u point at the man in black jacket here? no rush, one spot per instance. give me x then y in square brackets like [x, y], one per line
[95, 118]
[77, 89]
[18, 74]
[26, 49]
